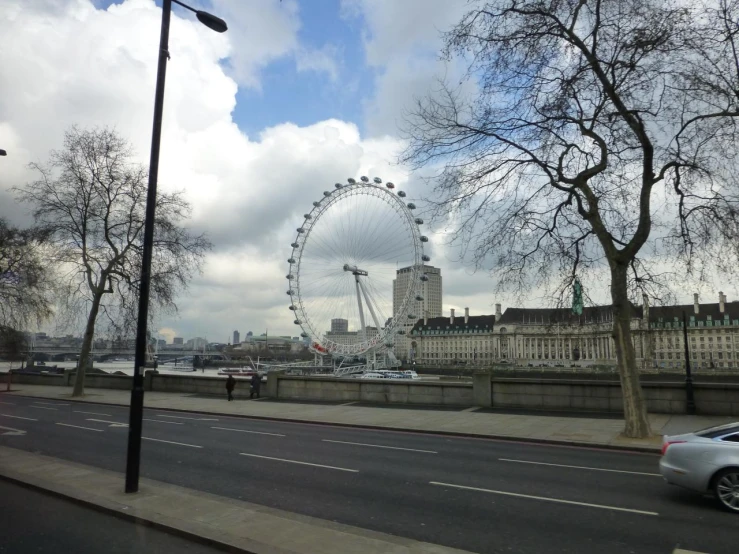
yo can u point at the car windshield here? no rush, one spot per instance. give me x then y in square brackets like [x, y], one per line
[711, 432]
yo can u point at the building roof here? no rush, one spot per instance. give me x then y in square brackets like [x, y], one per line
[474, 323]
[549, 316]
[669, 313]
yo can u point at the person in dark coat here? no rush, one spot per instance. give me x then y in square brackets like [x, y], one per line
[256, 384]
[230, 384]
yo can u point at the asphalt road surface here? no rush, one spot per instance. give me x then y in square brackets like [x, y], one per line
[478, 495]
[33, 522]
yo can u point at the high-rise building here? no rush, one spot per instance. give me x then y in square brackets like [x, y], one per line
[339, 325]
[430, 306]
[236, 338]
[178, 340]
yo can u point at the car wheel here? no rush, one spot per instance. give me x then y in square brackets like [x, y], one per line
[726, 487]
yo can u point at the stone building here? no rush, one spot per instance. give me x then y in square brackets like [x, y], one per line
[534, 337]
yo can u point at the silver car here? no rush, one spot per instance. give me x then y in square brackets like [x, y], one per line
[705, 461]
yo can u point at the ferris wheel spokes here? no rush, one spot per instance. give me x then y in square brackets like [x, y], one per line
[362, 292]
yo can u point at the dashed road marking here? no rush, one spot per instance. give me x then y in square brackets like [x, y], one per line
[44, 408]
[381, 446]
[298, 462]
[80, 427]
[9, 431]
[546, 499]
[50, 403]
[245, 431]
[580, 467]
[8, 403]
[472, 409]
[110, 423]
[91, 413]
[172, 442]
[160, 421]
[681, 551]
[18, 417]
[349, 403]
[192, 418]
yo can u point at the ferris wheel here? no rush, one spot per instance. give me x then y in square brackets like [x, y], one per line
[343, 263]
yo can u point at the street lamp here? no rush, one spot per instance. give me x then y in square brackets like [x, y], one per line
[689, 393]
[136, 412]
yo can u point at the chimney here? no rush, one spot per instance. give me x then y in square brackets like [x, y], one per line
[645, 306]
[721, 301]
[467, 315]
[497, 312]
[695, 303]
[451, 319]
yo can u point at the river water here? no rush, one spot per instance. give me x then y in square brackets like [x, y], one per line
[124, 367]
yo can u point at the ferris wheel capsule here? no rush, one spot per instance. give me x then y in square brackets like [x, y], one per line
[296, 322]
[295, 244]
[426, 258]
[350, 181]
[308, 216]
[424, 238]
[401, 194]
[411, 206]
[419, 221]
[390, 185]
[304, 335]
[316, 204]
[290, 292]
[327, 193]
[338, 185]
[290, 276]
[301, 230]
[419, 298]
[377, 180]
[364, 179]
[291, 260]
[293, 308]
[424, 277]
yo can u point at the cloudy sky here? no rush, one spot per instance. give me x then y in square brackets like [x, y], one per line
[258, 122]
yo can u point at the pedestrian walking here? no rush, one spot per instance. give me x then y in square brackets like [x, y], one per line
[230, 384]
[256, 384]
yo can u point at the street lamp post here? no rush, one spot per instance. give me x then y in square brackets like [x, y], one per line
[133, 458]
[690, 396]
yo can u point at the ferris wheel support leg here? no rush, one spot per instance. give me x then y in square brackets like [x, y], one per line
[361, 312]
[369, 305]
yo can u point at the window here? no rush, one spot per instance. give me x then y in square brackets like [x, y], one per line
[731, 438]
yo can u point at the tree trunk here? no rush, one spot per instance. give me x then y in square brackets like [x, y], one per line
[635, 407]
[79, 381]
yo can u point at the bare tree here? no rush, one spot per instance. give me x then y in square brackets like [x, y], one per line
[601, 137]
[25, 277]
[92, 197]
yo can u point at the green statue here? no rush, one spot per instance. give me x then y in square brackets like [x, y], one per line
[577, 297]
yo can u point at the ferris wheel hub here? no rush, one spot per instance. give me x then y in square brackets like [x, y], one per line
[355, 270]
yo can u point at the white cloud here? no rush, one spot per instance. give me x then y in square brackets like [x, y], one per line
[319, 60]
[74, 64]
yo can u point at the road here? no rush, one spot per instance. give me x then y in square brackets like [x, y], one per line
[36, 522]
[479, 495]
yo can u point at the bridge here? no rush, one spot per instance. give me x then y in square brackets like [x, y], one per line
[70, 353]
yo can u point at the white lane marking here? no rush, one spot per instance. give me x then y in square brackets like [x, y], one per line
[192, 418]
[546, 499]
[245, 431]
[381, 446]
[8, 403]
[91, 413]
[581, 467]
[349, 403]
[472, 409]
[172, 442]
[681, 551]
[44, 408]
[18, 417]
[50, 403]
[301, 463]
[10, 432]
[160, 421]
[80, 427]
[112, 423]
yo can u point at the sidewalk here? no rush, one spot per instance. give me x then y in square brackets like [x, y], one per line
[535, 428]
[231, 525]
